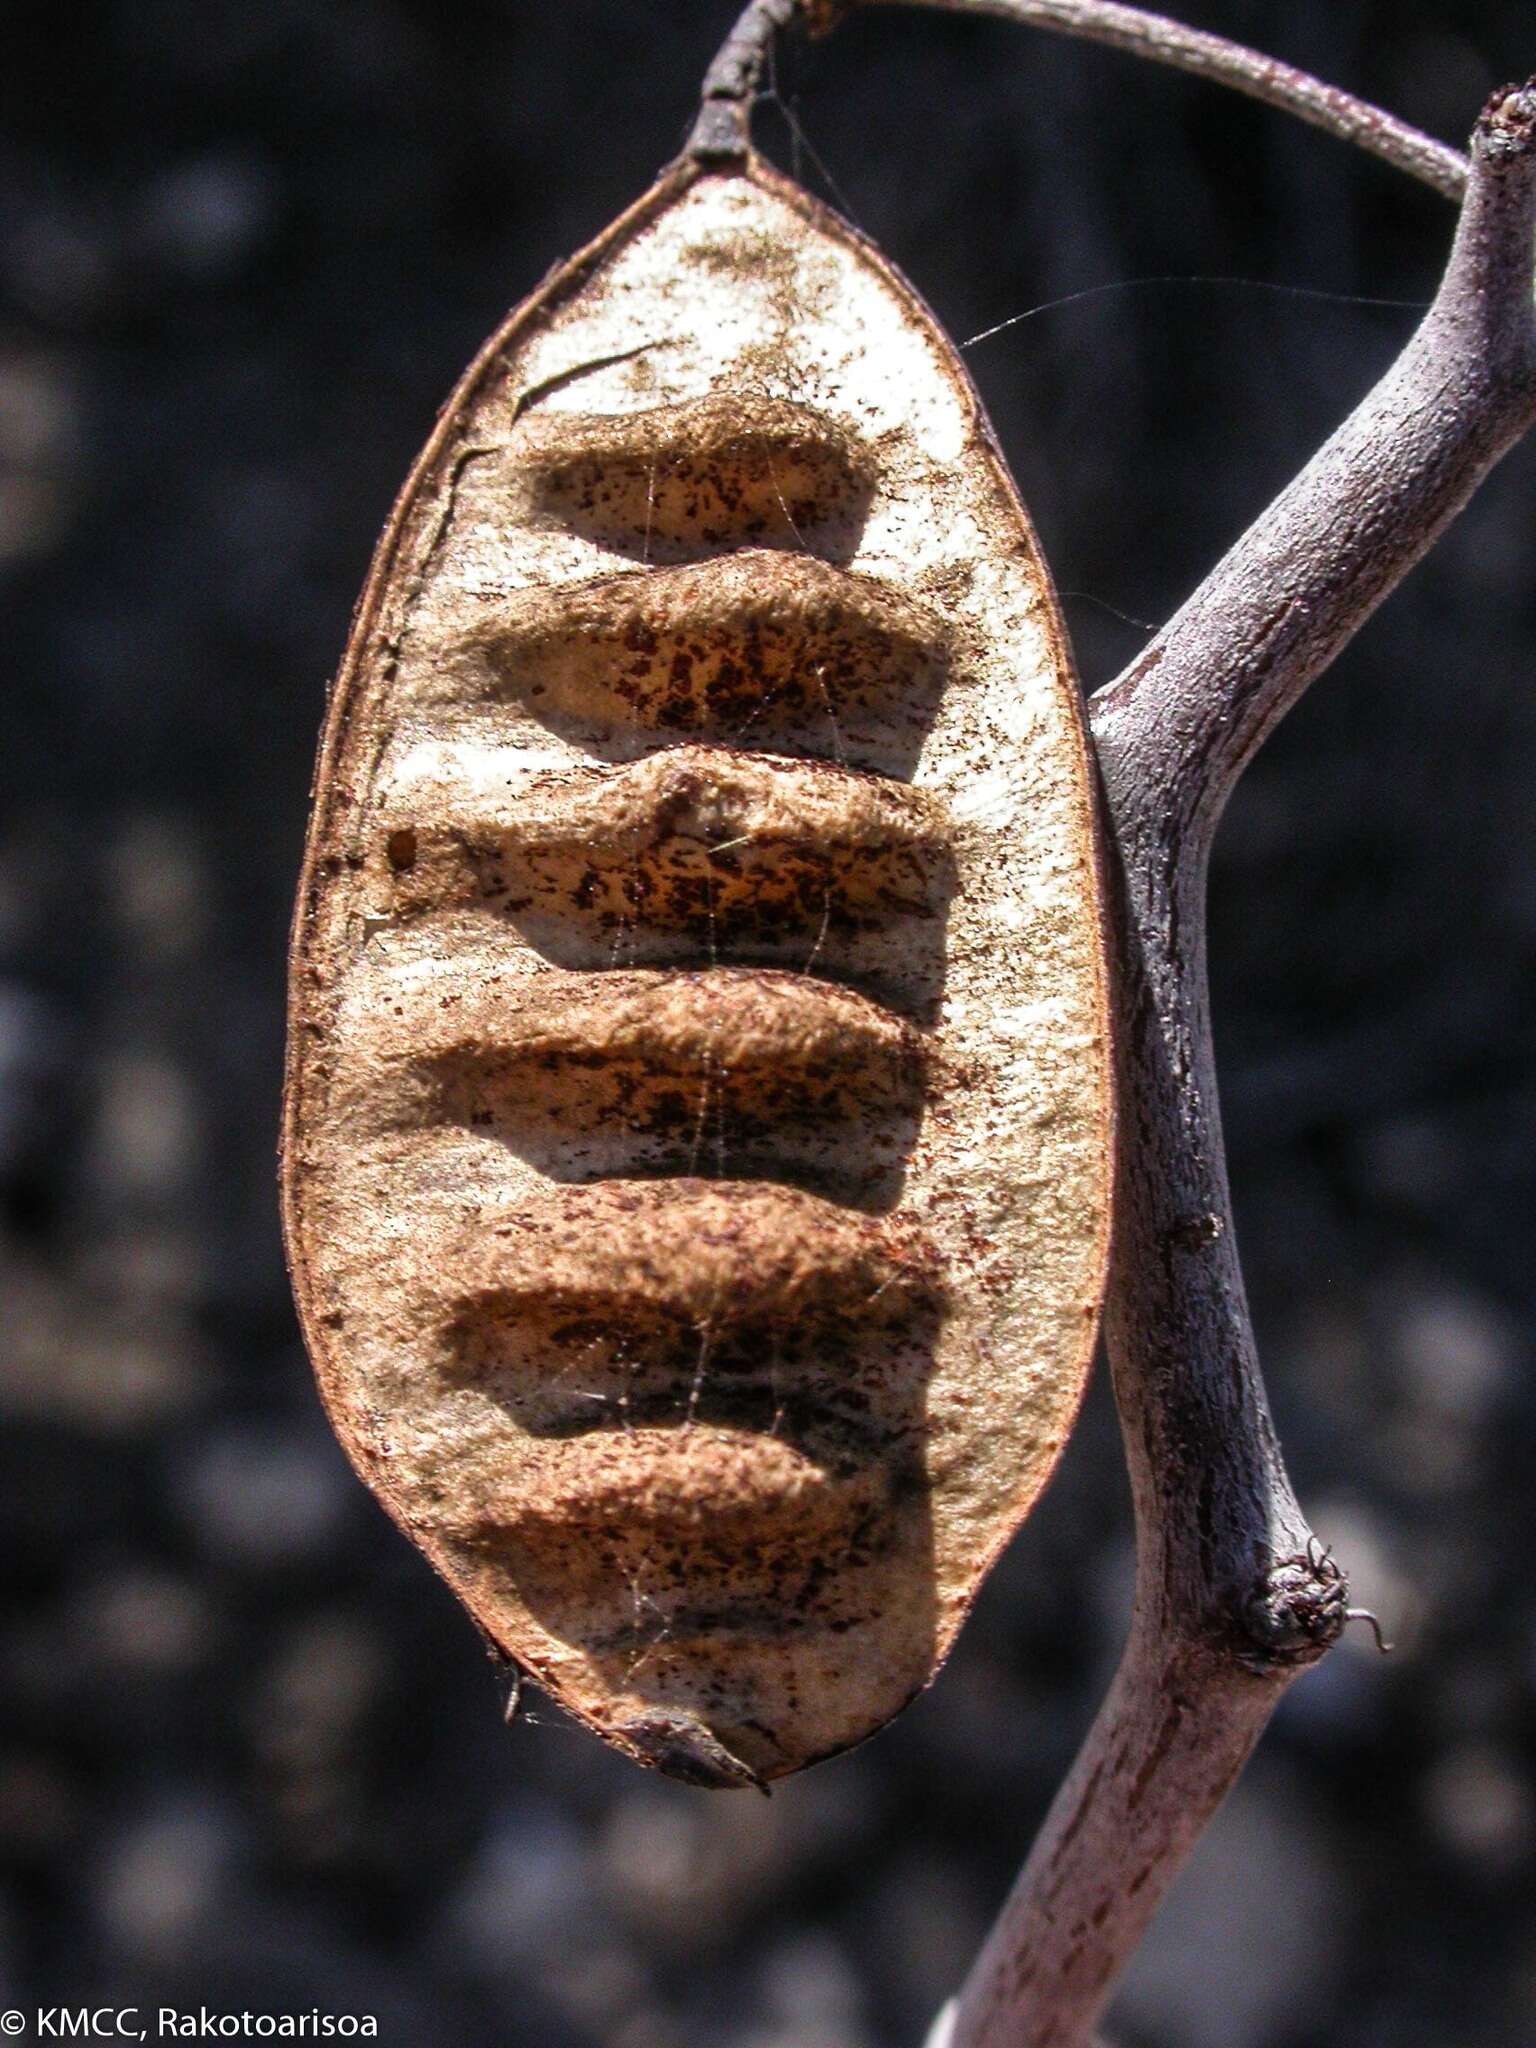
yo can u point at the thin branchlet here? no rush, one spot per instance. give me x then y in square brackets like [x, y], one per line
[1181, 723]
[1142, 33]
[731, 82]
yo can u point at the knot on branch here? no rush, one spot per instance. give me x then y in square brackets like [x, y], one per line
[1506, 128]
[1295, 1613]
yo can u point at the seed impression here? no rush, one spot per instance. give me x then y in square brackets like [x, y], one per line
[698, 1127]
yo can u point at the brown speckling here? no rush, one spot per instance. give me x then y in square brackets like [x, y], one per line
[697, 1140]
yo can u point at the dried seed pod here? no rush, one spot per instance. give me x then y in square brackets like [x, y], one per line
[698, 1128]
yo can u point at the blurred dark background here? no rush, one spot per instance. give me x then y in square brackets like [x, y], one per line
[252, 1753]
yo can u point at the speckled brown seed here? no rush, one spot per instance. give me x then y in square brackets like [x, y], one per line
[697, 1152]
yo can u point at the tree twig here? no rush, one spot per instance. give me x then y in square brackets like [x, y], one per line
[723, 128]
[732, 79]
[1234, 1596]
[1162, 41]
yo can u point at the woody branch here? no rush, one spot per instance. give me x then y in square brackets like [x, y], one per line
[1234, 1595]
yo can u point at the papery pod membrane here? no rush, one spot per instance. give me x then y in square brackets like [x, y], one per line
[697, 1154]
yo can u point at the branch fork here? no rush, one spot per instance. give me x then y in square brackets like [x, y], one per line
[1235, 1596]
